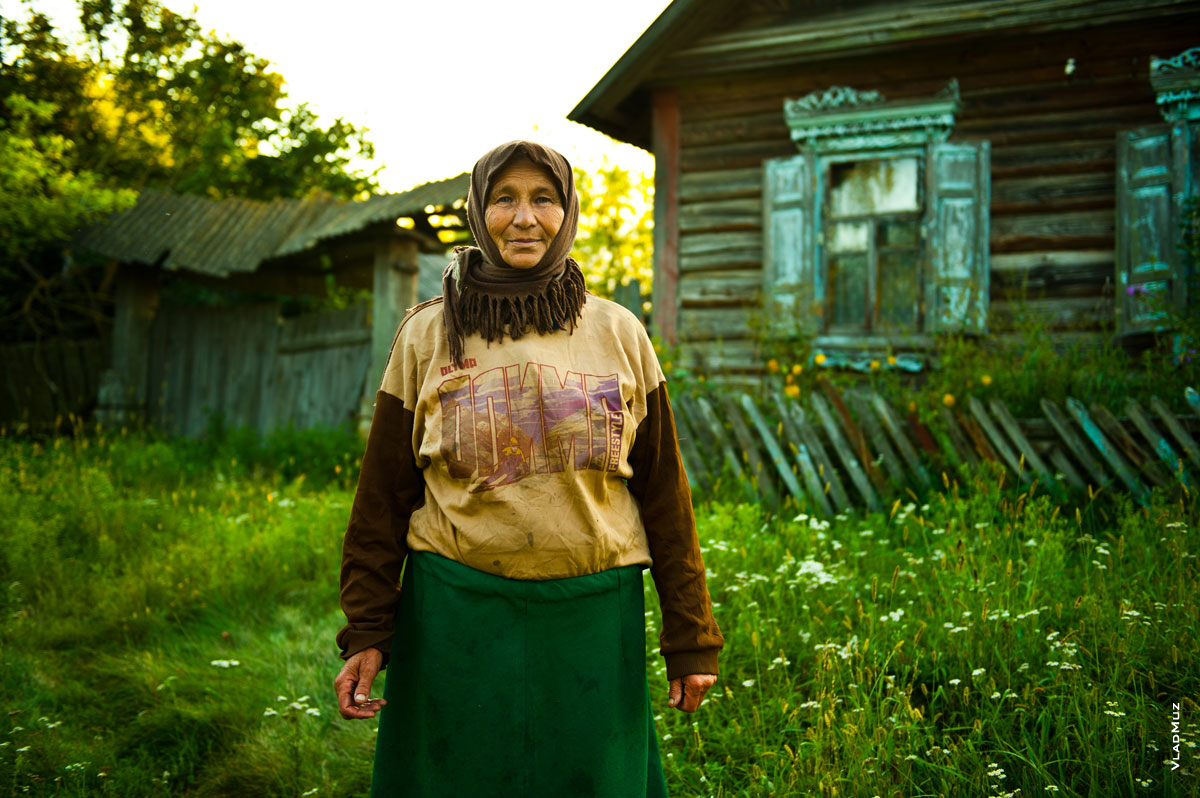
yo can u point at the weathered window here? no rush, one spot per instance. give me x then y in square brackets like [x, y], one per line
[877, 230]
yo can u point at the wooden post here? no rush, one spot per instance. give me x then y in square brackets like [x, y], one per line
[394, 292]
[666, 215]
[122, 393]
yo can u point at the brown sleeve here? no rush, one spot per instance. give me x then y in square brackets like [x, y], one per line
[390, 487]
[690, 638]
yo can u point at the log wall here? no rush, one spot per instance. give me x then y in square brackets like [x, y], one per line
[1052, 133]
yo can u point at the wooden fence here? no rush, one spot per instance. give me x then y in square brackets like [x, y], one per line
[255, 369]
[42, 383]
[835, 451]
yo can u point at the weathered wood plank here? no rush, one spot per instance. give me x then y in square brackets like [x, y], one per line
[1052, 313]
[1142, 461]
[857, 474]
[891, 422]
[1164, 450]
[720, 215]
[1065, 467]
[891, 460]
[698, 475]
[720, 288]
[723, 184]
[999, 442]
[812, 480]
[760, 476]
[1051, 192]
[774, 450]
[733, 356]
[715, 323]
[1193, 400]
[1009, 423]
[1107, 450]
[978, 438]
[1062, 425]
[962, 447]
[857, 439]
[1176, 429]
[830, 478]
[729, 455]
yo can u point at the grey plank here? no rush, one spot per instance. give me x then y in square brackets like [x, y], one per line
[1062, 425]
[1065, 467]
[1193, 400]
[1176, 429]
[857, 475]
[891, 460]
[892, 423]
[774, 450]
[1164, 450]
[728, 452]
[697, 472]
[998, 441]
[830, 478]
[1107, 450]
[800, 453]
[1002, 414]
[759, 474]
[1143, 462]
[962, 447]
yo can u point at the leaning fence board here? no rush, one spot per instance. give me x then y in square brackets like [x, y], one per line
[758, 470]
[857, 475]
[975, 433]
[891, 460]
[1035, 461]
[960, 446]
[693, 462]
[1176, 429]
[1142, 461]
[857, 440]
[728, 453]
[1107, 450]
[891, 422]
[800, 453]
[825, 470]
[1065, 467]
[1162, 447]
[773, 449]
[999, 443]
[1062, 425]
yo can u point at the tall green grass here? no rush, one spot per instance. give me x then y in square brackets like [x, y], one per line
[167, 611]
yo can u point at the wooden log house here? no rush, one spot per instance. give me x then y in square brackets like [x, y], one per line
[868, 174]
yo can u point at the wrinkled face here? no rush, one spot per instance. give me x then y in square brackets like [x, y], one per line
[523, 213]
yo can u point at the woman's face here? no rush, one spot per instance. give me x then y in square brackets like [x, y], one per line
[523, 213]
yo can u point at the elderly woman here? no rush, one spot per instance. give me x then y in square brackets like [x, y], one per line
[521, 471]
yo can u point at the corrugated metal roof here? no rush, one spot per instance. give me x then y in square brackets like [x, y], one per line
[219, 237]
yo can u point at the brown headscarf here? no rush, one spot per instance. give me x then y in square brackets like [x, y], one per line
[481, 293]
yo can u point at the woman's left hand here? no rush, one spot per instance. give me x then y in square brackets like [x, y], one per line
[688, 691]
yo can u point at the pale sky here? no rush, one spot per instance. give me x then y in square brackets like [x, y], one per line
[438, 84]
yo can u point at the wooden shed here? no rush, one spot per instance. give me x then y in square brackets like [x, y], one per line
[868, 174]
[176, 365]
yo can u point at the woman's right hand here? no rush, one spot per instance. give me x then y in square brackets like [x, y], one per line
[353, 685]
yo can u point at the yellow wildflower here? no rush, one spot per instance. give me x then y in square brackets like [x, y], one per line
[667, 366]
[912, 407]
[820, 358]
[797, 368]
[792, 391]
[789, 379]
[874, 365]
[986, 379]
[891, 360]
[772, 365]
[948, 400]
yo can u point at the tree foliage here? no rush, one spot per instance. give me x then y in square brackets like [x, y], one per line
[616, 227]
[146, 99]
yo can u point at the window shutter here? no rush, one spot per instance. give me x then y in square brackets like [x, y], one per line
[1152, 186]
[790, 274]
[956, 299]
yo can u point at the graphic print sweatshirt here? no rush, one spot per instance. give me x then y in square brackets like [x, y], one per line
[546, 457]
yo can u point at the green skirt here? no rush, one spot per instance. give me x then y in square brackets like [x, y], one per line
[517, 689]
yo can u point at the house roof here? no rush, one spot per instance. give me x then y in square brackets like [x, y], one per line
[222, 237]
[703, 38]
